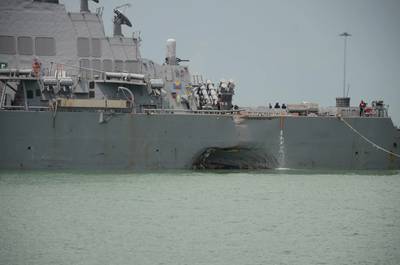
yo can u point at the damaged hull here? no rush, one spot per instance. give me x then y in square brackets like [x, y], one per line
[90, 140]
[235, 158]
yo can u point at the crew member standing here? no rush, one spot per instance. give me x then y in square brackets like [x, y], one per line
[362, 107]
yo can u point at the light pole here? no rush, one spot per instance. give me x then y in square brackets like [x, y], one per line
[345, 35]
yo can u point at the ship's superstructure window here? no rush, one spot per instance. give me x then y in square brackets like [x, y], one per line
[83, 47]
[132, 66]
[89, 47]
[45, 46]
[96, 48]
[96, 65]
[7, 45]
[25, 46]
[107, 65]
[84, 70]
[118, 66]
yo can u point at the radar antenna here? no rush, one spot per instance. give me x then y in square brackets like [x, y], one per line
[124, 6]
[119, 20]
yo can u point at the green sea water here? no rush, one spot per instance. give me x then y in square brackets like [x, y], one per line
[186, 217]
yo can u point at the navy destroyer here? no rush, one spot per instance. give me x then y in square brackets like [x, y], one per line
[73, 98]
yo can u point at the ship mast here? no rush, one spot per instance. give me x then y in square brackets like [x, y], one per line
[345, 35]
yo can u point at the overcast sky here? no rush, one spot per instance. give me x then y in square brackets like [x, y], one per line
[277, 50]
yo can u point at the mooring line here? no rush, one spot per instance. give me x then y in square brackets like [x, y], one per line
[368, 140]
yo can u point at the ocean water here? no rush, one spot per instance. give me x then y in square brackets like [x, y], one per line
[270, 217]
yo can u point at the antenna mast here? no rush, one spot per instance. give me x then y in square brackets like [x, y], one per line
[345, 35]
[85, 5]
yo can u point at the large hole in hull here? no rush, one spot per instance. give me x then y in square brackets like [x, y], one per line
[234, 158]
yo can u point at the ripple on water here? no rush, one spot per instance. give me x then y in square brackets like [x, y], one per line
[272, 217]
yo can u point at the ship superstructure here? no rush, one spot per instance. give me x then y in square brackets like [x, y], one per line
[72, 97]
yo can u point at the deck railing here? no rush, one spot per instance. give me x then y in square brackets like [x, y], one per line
[184, 111]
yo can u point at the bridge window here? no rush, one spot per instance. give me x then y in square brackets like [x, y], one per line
[107, 65]
[7, 45]
[96, 48]
[118, 66]
[132, 66]
[83, 47]
[96, 66]
[25, 45]
[45, 46]
[84, 70]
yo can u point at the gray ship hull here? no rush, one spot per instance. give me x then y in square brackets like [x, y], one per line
[91, 140]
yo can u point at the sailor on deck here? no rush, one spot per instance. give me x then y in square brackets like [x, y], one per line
[362, 107]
